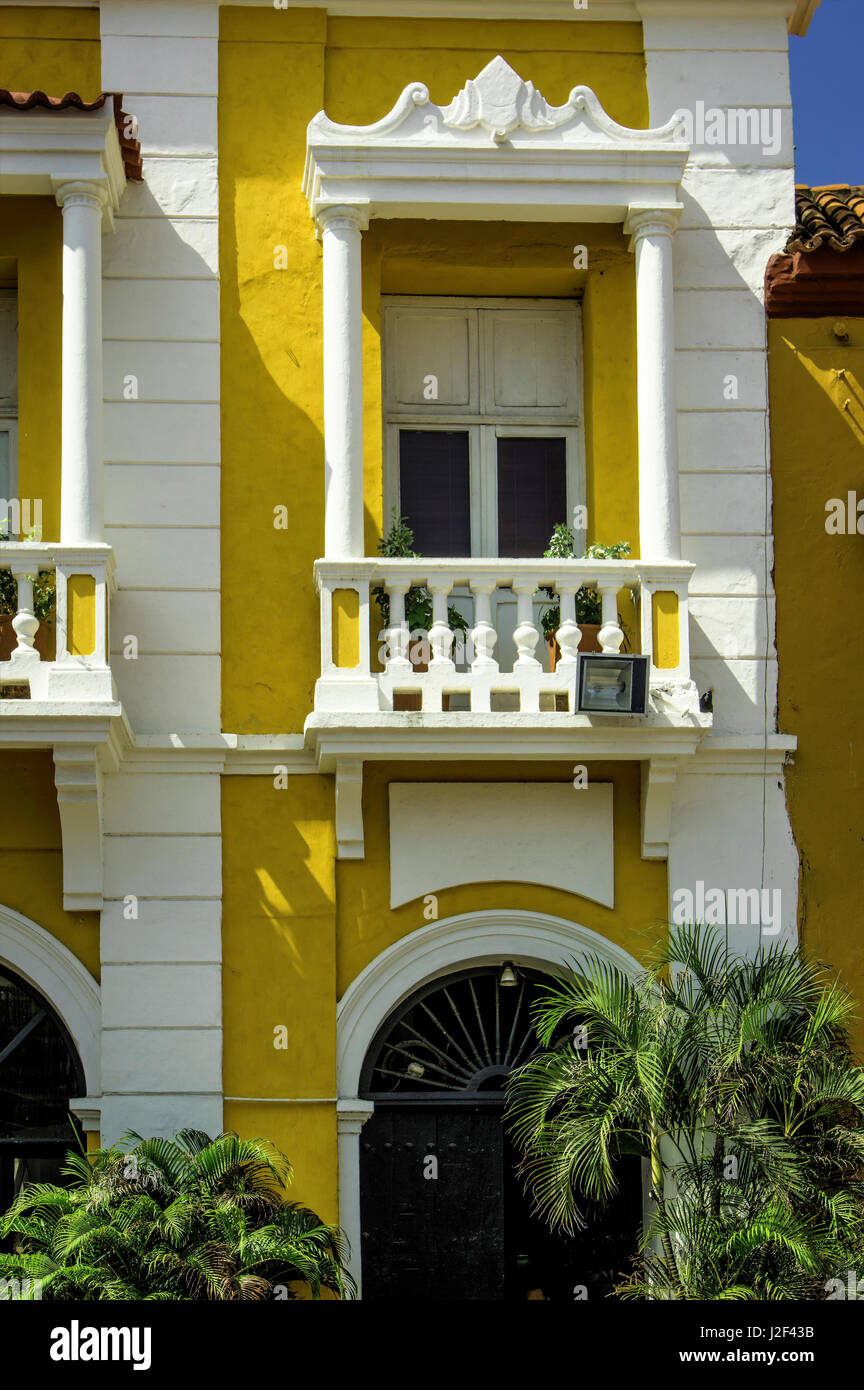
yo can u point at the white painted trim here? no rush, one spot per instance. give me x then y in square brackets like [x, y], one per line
[60, 977]
[41, 150]
[456, 943]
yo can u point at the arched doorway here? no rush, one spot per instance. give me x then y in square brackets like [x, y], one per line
[40, 1071]
[443, 1212]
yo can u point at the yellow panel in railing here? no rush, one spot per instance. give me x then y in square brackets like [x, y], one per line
[667, 649]
[81, 614]
[346, 628]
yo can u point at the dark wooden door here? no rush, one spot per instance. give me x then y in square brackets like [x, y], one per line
[432, 1203]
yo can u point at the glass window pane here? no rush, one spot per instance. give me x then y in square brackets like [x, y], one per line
[532, 494]
[434, 476]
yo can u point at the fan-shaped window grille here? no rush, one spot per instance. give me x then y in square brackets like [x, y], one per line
[457, 1039]
[39, 1072]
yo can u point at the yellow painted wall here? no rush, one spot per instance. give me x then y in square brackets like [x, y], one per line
[31, 865]
[366, 925]
[272, 443]
[50, 49]
[298, 927]
[279, 969]
[817, 434]
[31, 236]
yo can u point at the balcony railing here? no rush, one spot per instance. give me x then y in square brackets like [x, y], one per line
[63, 657]
[500, 662]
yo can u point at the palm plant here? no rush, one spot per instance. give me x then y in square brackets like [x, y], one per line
[183, 1219]
[734, 1078]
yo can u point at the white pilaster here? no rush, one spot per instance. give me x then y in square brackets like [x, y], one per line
[659, 507]
[81, 439]
[351, 1117]
[341, 230]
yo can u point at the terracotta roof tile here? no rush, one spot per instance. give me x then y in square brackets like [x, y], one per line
[832, 216]
[130, 148]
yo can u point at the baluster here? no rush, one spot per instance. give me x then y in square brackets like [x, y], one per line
[397, 632]
[526, 635]
[440, 636]
[610, 635]
[25, 623]
[483, 634]
[569, 633]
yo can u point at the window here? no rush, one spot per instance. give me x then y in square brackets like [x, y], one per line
[484, 446]
[8, 404]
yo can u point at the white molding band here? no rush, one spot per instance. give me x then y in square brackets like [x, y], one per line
[68, 987]
[456, 943]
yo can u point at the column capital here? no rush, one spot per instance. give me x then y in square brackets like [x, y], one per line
[351, 1115]
[644, 221]
[341, 217]
[82, 193]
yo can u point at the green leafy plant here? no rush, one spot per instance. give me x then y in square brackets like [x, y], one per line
[399, 544]
[734, 1078]
[44, 585]
[183, 1219]
[562, 546]
[44, 594]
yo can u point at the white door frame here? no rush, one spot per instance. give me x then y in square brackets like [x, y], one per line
[530, 939]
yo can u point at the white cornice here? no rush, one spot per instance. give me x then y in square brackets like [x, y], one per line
[40, 150]
[497, 151]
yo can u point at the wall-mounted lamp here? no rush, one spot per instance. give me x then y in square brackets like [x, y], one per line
[612, 684]
[508, 977]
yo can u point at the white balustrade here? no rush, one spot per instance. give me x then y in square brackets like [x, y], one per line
[80, 677]
[455, 671]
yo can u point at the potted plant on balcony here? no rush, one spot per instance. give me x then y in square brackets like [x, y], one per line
[562, 546]
[399, 544]
[44, 604]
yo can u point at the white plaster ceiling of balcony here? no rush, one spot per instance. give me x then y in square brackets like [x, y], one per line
[520, 832]
[497, 151]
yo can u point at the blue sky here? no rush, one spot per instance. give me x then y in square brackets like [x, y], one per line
[827, 95]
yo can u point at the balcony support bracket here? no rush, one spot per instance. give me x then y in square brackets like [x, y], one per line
[659, 776]
[349, 809]
[78, 779]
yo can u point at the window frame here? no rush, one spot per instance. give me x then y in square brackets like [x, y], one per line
[485, 426]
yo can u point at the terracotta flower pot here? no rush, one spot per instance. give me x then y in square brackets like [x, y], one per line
[588, 642]
[412, 700]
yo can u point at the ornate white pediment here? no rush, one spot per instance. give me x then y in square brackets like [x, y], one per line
[497, 150]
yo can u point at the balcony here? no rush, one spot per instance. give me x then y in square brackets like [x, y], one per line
[476, 693]
[62, 661]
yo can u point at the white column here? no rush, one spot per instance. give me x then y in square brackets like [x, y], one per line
[341, 230]
[659, 508]
[81, 430]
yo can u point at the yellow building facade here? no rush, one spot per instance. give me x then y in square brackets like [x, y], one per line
[316, 267]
